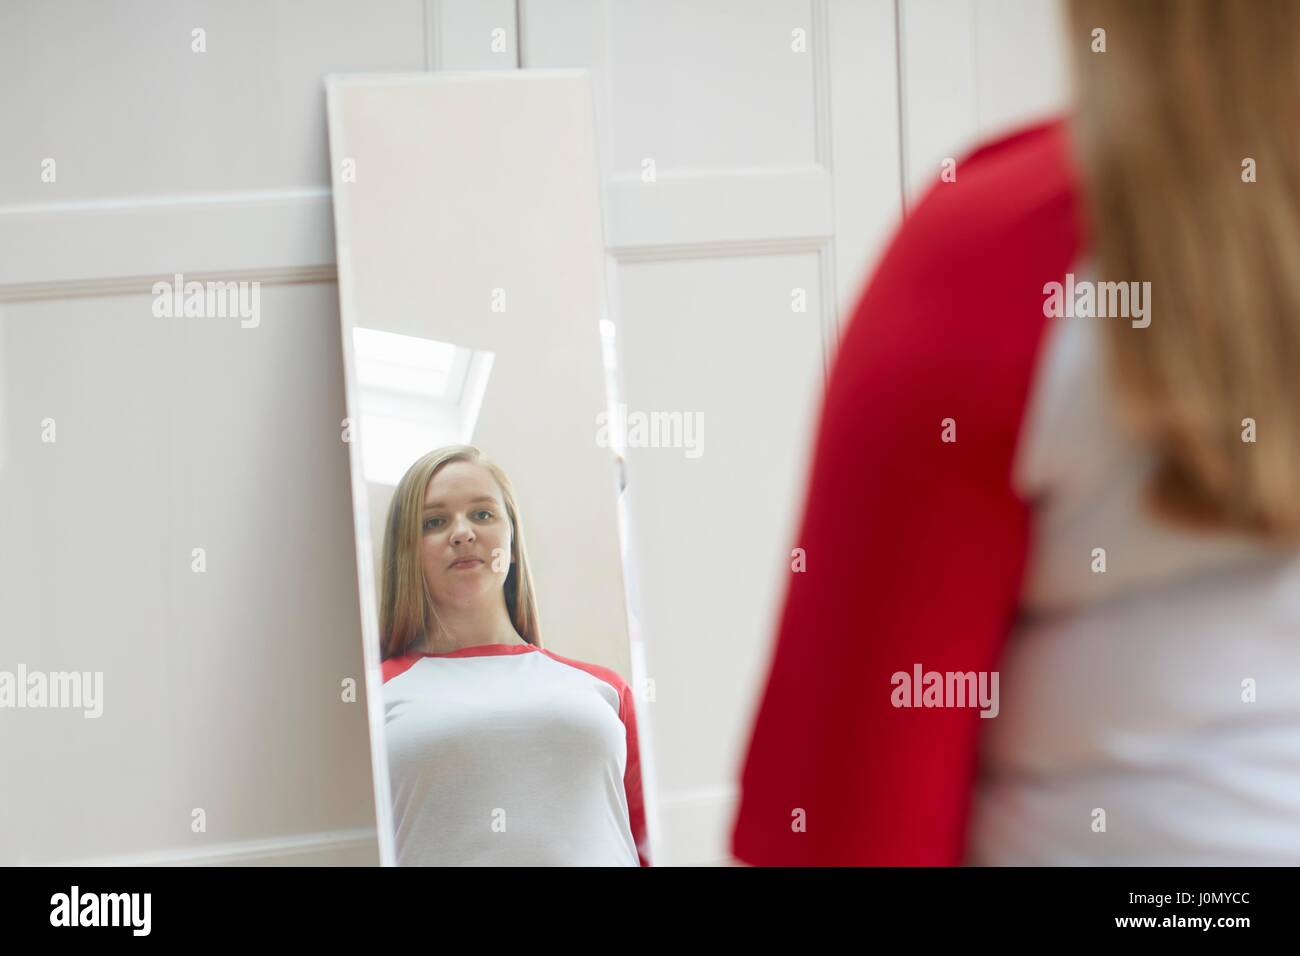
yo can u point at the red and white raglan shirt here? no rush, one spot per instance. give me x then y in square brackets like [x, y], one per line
[1148, 703]
[511, 755]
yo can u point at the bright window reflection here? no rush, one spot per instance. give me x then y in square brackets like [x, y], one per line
[415, 395]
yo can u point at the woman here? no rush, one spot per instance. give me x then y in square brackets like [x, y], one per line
[1098, 505]
[500, 752]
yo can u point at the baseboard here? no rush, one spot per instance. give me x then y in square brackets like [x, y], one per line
[695, 827]
[337, 848]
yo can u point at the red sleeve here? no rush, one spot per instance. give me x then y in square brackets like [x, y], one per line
[914, 547]
[632, 782]
[394, 666]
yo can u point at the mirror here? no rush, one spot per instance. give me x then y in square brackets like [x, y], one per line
[479, 372]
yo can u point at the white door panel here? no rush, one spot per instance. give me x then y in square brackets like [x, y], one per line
[770, 129]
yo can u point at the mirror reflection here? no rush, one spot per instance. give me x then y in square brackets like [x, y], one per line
[490, 560]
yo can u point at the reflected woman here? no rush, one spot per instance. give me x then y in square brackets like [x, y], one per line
[500, 753]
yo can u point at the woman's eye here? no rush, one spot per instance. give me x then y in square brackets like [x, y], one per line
[482, 514]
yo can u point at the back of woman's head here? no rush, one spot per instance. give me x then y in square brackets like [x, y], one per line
[1187, 127]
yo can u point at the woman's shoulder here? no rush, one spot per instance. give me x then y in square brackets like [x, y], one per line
[950, 322]
[607, 674]
[399, 664]
[1036, 141]
[997, 204]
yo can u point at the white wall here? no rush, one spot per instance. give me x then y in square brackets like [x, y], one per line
[972, 70]
[222, 689]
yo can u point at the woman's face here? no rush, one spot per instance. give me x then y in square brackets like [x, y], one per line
[465, 543]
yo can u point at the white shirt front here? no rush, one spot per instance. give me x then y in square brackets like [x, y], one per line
[510, 755]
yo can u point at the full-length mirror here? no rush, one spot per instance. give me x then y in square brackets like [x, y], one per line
[490, 561]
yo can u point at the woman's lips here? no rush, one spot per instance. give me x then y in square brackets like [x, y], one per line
[466, 564]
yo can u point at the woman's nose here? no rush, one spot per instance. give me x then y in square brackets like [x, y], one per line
[462, 531]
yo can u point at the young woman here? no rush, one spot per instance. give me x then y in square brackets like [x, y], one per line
[1099, 505]
[499, 752]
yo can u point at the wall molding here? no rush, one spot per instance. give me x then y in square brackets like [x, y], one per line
[329, 848]
[819, 36]
[722, 249]
[697, 826]
[728, 206]
[121, 247]
[143, 285]
[117, 244]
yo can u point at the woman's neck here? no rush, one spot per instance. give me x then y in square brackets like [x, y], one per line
[471, 627]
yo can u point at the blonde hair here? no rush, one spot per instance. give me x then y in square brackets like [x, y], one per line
[1167, 118]
[407, 613]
